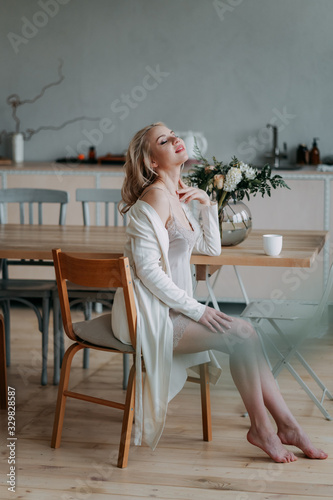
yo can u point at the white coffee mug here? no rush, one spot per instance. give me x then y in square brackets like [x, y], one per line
[272, 244]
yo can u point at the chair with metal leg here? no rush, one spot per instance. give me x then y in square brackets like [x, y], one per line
[20, 205]
[307, 321]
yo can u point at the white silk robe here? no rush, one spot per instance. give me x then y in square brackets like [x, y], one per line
[155, 293]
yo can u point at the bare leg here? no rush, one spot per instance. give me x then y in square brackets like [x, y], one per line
[256, 385]
[289, 431]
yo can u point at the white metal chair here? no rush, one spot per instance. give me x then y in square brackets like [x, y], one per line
[109, 199]
[308, 321]
[27, 290]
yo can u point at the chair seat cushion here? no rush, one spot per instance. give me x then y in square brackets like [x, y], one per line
[26, 288]
[98, 331]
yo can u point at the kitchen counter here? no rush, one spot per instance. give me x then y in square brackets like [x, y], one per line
[308, 205]
[54, 168]
[117, 169]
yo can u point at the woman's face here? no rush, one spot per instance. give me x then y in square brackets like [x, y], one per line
[166, 149]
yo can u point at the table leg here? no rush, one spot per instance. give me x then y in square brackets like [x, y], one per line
[203, 273]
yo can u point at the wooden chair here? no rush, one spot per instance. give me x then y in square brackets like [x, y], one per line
[104, 273]
[3, 367]
[108, 200]
[26, 291]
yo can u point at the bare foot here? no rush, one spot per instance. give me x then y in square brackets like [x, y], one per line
[297, 437]
[270, 443]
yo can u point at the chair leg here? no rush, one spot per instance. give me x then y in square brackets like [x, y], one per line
[45, 338]
[56, 339]
[126, 430]
[62, 341]
[205, 403]
[125, 370]
[86, 355]
[313, 375]
[61, 400]
[3, 368]
[308, 391]
[284, 362]
[87, 316]
[6, 314]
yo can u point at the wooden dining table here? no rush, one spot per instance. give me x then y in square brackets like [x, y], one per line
[300, 249]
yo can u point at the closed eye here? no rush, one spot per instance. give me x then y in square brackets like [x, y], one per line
[166, 140]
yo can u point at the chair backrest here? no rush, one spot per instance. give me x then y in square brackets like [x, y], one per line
[325, 297]
[98, 196]
[31, 196]
[99, 273]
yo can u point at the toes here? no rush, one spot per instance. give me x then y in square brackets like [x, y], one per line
[321, 454]
[317, 454]
[291, 457]
[286, 458]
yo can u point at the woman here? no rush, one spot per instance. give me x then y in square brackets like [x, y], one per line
[174, 331]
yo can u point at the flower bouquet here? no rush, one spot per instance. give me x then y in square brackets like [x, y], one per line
[228, 184]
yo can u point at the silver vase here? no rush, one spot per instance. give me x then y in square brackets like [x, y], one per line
[235, 223]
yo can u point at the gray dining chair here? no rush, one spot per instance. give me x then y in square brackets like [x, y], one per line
[105, 202]
[26, 206]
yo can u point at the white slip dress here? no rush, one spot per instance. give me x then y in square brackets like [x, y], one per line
[181, 244]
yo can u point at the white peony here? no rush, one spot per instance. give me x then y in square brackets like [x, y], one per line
[248, 172]
[232, 179]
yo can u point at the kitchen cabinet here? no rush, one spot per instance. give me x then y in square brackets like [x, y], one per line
[307, 205]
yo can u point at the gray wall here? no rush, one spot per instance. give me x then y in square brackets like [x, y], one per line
[228, 68]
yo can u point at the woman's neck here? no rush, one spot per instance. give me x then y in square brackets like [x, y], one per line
[170, 184]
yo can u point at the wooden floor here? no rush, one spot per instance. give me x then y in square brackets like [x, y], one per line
[182, 466]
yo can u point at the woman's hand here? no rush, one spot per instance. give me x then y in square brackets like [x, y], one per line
[215, 320]
[189, 193]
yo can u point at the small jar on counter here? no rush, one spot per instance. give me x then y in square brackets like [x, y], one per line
[302, 155]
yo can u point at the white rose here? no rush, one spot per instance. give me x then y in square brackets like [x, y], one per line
[218, 181]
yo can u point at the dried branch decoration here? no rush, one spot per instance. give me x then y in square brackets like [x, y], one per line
[15, 101]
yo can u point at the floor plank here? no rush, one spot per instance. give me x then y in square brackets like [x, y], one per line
[182, 466]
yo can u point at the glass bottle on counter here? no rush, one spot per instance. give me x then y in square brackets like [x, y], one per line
[314, 153]
[92, 154]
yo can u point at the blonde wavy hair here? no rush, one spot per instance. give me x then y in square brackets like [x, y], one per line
[138, 171]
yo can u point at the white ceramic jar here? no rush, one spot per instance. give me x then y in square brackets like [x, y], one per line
[18, 148]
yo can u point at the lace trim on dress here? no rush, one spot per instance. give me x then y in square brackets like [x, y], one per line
[174, 227]
[180, 323]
